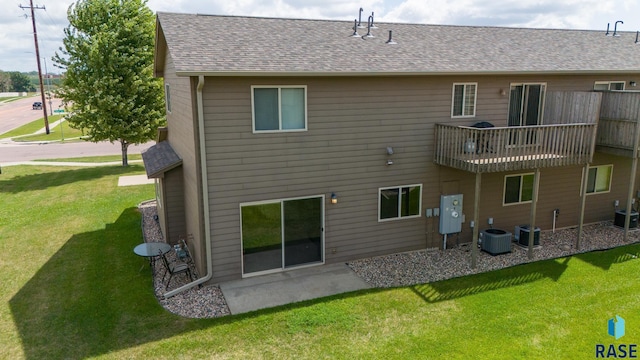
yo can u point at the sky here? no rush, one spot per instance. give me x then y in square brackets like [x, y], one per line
[17, 50]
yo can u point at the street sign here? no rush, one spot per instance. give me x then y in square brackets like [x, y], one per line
[58, 111]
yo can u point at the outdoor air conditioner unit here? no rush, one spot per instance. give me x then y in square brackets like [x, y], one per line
[620, 217]
[495, 241]
[521, 235]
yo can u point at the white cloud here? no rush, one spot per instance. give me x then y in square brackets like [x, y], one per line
[543, 13]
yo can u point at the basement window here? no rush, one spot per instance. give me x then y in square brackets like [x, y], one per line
[399, 202]
[599, 179]
[518, 189]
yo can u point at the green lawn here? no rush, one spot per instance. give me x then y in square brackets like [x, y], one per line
[96, 159]
[70, 288]
[56, 133]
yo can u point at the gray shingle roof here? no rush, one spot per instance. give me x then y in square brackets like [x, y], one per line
[159, 159]
[208, 44]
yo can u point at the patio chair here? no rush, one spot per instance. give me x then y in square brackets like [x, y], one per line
[173, 269]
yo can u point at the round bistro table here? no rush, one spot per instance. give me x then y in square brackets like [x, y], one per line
[152, 250]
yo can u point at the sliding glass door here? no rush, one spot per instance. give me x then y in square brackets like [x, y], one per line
[282, 234]
[526, 104]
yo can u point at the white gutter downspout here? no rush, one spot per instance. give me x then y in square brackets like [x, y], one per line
[205, 193]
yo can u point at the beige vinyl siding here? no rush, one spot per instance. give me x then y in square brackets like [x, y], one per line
[351, 121]
[182, 136]
[174, 203]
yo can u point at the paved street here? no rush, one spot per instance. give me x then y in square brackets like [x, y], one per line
[10, 153]
[17, 113]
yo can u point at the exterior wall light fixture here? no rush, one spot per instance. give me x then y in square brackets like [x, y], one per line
[334, 198]
[632, 83]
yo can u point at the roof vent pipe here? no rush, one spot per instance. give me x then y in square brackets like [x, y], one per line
[369, 34]
[390, 41]
[360, 18]
[608, 29]
[615, 28]
[355, 28]
[373, 26]
[637, 32]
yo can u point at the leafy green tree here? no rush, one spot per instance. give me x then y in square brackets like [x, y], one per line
[108, 86]
[20, 82]
[5, 81]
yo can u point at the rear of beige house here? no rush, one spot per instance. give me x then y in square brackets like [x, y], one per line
[356, 175]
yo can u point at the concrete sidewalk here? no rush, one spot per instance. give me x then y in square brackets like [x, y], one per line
[289, 287]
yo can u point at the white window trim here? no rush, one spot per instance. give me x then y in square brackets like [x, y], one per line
[608, 83]
[167, 97]
[597, 192]
[281, 202]
[400, 217]
[504, 189]
[464, 91]
[279, 87]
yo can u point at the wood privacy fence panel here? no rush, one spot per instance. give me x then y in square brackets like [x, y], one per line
[572, 107]
[619, 115]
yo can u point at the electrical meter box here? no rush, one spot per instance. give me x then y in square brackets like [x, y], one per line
[450, 214]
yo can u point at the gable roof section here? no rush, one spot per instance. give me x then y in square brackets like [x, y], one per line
[231, 45]
[160, 158]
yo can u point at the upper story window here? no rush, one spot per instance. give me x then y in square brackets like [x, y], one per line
[608, 85]
[463, 103]
[167, 97]
[279, 108]
[518, 189]
[399, 202]
[599, 179]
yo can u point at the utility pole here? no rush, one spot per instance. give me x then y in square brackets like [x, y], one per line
[35, 38]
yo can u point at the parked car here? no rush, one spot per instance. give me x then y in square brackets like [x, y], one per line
[37, 105]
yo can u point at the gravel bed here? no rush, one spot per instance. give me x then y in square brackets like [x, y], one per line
[403, 269]
[198, 302]
[423, 266]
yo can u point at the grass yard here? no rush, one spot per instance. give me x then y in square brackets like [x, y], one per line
[56, 133]
[97, 159]
[71, 288]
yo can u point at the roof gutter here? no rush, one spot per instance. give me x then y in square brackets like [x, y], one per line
[399, 73]
[205, 197]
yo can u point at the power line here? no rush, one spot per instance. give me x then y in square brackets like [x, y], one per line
[35, 39]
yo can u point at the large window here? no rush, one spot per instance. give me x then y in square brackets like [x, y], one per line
[599, 179]
[399, 202]
[608, 85]
[282, 108]
[464, 100]
[518, 189]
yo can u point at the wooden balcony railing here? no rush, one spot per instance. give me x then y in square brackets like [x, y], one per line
[513, 148]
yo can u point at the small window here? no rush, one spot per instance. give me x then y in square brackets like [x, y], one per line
[463, 102]
[279, 108]
[399, 202]
[167, 97]
[608, 85]
[599, 179]
[518, 189]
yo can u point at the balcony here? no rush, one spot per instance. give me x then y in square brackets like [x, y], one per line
[618, 128]
[497, 149]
